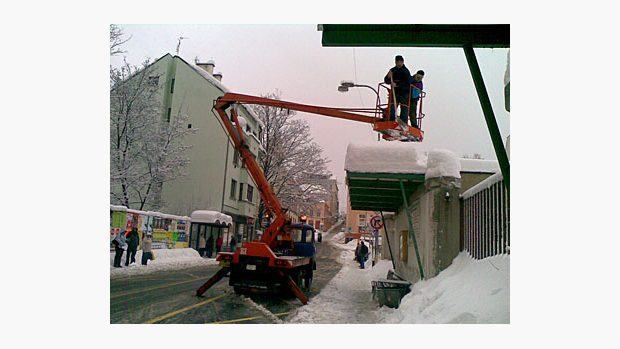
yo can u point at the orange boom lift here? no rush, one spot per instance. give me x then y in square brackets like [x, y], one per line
[276, 260]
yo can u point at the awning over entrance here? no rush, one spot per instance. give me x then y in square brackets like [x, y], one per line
[416, 35]
[381, 191]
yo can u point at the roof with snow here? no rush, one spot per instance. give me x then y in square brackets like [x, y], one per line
[378, 173]
[215, 82]
[479, 166]
[211, 217]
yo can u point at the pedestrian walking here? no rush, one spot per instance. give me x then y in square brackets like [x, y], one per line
[120, 245]
[147, 246]
[233, 244]
[210, 246]
[218, 243]
[132, 246]
[362, 254]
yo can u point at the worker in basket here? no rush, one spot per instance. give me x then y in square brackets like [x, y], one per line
[400, 79]
[416, 91]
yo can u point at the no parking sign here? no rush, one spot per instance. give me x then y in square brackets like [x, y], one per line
[376, 222]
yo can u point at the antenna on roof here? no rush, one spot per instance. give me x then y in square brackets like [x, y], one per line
[179, 43]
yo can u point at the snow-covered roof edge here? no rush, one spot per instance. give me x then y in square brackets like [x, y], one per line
[442, 163]
[479, 166]
[118, 208]
[485, 184]
[215, 82]
[215, 217]
[383, 157]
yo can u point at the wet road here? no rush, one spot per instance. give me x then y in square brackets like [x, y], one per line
[169, 297]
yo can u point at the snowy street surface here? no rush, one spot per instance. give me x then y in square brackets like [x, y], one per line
[469, 291]
[166, 293]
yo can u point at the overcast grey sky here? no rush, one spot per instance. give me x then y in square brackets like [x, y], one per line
[256, 59]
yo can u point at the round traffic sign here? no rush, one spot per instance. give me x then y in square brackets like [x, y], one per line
[376, 222]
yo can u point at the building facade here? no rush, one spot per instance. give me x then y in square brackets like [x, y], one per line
[216, 177]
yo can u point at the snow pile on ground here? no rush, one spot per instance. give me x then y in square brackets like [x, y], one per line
[468, 291]
[442, 163]
[165, 259]
[338, 237]
[347, 298]
[384, 157]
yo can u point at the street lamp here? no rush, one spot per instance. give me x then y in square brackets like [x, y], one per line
[346, 84]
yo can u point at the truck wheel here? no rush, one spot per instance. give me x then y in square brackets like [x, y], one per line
[237, 290]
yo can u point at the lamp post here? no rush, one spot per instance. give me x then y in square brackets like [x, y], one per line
[345, 85]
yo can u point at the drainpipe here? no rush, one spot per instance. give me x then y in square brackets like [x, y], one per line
[225, 171]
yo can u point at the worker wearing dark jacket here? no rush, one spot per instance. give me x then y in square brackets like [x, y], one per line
[362, 254]
[401, 77]
[132, 246]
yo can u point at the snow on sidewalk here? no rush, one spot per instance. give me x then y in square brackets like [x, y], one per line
[172, 259]
[347, 298]
[469, 291]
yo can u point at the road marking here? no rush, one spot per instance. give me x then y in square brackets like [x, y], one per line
[128, 293]
[176, 312]
[243, 319]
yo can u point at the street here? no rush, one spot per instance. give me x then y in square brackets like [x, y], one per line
[169, 297]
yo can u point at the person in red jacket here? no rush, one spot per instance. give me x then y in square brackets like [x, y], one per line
[218, 243]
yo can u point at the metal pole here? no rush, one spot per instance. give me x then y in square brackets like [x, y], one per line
[487, 109]
[410, 221]
[388, 240]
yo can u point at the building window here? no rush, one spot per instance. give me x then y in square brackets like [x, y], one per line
[172, 86]
[153, 81]
[311, 222]
[233, 188]
[250, 193]
[168, 115]
[362, 220]
[311, 213]
[240, 191]
[403, 245]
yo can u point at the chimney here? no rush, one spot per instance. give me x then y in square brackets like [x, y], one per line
[208, 67]
[218, 76]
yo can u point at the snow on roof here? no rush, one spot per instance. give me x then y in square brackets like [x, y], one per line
[384, 157]
[214, 217]
[442, 163]
[223, 88]
[136, 211]
[118, 208]
[477, 165]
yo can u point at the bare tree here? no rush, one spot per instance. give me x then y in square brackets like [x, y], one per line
[117, 38]
[146, 145]
[293, 163]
